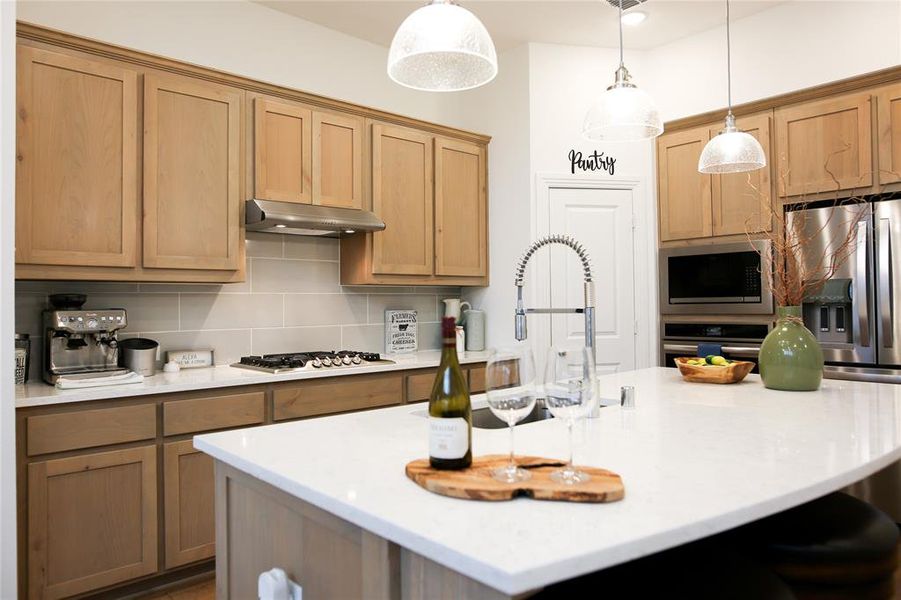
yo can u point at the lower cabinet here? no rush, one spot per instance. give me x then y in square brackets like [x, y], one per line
[92, 521]
[188, 504]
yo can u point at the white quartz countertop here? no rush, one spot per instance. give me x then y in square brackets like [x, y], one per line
[696, 459]
[41, 394]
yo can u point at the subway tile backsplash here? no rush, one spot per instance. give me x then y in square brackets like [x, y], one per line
[292, 300]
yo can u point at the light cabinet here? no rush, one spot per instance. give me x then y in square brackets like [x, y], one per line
[76, 180]
[307, 156]
[188, 504]
[684, 194]
[431, 192]
[888, 128]
[461, 211]
[825, 146]
[92, 521]
[192, 203]
[742, 202]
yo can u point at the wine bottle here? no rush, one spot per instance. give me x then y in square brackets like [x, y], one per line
[450, 410]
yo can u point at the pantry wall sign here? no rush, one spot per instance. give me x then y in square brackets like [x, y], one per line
[596, 161]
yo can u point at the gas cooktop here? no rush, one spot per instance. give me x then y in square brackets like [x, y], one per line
[310, 361]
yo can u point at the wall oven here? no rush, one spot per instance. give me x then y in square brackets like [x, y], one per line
[716, 279]
[735, 341]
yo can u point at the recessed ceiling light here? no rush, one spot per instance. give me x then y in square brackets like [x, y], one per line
[634, 18]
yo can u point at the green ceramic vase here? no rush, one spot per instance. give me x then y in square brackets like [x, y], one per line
[790, 356]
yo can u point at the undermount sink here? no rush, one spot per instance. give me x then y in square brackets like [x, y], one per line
[483, 418]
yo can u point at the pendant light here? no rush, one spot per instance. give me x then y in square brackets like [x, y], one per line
[442, 47]
[732, 150]
[623, 112]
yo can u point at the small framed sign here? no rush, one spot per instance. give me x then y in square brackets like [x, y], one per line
[400, 331]
[191, 359]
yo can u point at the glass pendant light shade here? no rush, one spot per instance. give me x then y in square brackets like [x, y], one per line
[442, 47]
[732, 151]
[622, 113]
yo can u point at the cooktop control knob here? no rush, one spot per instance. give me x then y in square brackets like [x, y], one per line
[346, 360]
[326, 361]
[316, 363]
[356, 359]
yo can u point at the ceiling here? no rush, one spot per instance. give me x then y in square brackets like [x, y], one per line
[574, 22]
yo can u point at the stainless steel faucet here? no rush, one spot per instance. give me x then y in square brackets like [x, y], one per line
[587, 310]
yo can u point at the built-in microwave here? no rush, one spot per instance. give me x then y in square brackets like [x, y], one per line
[716, 279]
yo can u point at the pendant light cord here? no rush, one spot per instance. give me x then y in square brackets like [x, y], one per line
[621, 33]
[728, 58]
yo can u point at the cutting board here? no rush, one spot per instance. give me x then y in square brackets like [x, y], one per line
[476, 483]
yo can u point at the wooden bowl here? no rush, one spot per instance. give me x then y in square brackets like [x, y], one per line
[731, 373]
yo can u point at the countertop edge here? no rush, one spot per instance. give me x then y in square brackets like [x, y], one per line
[168, 383]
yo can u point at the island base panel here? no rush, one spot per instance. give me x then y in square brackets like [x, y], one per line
[259, 527]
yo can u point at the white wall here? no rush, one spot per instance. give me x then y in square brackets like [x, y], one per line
[7, 221]
[501, 109]
[251, 40]
[786, 48]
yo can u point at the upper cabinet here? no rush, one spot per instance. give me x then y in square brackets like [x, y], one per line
[402, 195]
[307, 156]
[76, 180]
[742, 202]
[282, 155]
[888, 127]
[825, 146]
[431, 193]
[192, 149]
[461, 210]
[684, 194]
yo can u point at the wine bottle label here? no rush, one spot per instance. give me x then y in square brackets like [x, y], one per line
[448, 438]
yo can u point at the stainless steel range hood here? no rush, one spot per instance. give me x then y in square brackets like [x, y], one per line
[307, 219]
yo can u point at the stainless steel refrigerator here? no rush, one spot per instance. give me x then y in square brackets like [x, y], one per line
[857, 315]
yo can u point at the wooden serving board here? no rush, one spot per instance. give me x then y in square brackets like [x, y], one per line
[476, 483]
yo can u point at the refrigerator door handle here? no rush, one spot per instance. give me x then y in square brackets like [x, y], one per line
[885, 283]
[860, 287]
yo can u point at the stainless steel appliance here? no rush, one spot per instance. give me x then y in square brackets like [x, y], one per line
[81, 343]
[139, 355]
[718, 278]
[310, 361]
[857, 314]
[307, 219]
[739, 341]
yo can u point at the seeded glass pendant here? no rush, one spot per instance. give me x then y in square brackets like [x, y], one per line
[623, 112]
[442, 47]
[732, 150]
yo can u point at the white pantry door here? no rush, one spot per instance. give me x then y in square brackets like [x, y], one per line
[601, 219]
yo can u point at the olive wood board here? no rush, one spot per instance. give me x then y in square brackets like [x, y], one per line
[476, 483]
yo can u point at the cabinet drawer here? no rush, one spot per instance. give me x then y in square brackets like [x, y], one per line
[218, 412]
[419, 385]
[477, 380]
[89, 428]
[336, 395]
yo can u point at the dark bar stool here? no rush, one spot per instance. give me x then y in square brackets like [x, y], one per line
[834, 548]
[705, 570]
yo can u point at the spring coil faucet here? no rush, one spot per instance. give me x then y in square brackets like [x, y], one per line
[587, 310]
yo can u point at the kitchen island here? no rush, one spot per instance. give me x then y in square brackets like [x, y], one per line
[327, 499]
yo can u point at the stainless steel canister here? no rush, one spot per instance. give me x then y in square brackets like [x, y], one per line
[139, 355]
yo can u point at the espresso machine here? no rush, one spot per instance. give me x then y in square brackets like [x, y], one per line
[81, 344]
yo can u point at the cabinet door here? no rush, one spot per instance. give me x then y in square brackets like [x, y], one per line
[461, 209]
[742, 201]
[337, 160]
[92, 521]
[402, 196]
[281, 149]
[192, 144]
[818, 138]
[189, 504]
[888, 119]
[684, 193]
[76, 186]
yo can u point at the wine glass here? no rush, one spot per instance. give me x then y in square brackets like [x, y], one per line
[569, 384]
[510, 385]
